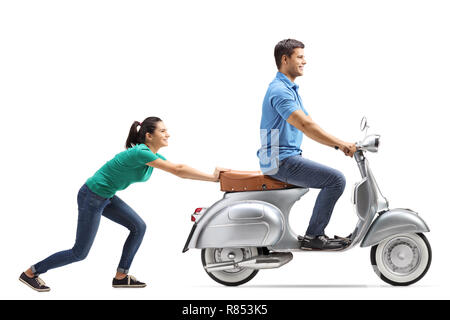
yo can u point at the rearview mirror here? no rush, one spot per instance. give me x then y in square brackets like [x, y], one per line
[363, 125]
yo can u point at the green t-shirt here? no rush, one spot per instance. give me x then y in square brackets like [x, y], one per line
[125, 168]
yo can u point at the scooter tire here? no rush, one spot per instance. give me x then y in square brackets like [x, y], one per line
[228, 283]
[374, 259]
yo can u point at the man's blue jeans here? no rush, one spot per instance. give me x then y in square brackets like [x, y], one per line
[302, 172]
[90, 209]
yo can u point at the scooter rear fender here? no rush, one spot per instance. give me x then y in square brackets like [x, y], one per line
[392, 222]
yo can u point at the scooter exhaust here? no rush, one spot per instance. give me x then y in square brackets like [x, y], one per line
[269, 261]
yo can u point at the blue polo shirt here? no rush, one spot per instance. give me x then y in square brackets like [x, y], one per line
[279, 139]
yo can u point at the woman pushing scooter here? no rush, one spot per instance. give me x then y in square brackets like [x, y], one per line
[97, 197]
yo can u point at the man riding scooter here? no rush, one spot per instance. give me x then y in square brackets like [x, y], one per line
[248, 229]
[284, 121]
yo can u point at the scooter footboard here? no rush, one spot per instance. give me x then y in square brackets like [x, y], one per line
[244, 223]
[395, 221]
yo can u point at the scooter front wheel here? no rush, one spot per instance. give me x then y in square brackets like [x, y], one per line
[231, 276]
[402, 259]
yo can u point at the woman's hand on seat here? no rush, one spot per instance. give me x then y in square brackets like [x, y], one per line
[217, 172]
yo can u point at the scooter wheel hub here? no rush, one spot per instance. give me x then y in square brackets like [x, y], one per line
[232, 254]
[401, 255]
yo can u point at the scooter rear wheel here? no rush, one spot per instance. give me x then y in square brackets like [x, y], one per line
[402, 259]
[231, 277]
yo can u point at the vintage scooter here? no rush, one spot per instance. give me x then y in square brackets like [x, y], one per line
[249, 230]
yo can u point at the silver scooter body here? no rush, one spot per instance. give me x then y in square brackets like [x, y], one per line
[248, 219]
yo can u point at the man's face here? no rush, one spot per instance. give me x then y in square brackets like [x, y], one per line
[294, 64]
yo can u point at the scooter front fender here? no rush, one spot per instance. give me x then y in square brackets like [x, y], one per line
[247, 223]
[391, 222]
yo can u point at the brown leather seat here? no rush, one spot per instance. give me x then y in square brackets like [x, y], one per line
[234, 180]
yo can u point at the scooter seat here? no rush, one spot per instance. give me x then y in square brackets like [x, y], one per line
[238, 181]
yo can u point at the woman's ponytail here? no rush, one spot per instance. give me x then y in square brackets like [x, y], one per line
[138, 136]
[133, 137]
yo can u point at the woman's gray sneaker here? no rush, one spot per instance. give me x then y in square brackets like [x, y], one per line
[127, 282]
[34, 283]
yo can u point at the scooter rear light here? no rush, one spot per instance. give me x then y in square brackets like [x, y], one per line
[196, 214]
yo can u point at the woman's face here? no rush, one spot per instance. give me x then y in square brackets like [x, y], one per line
[160, 137]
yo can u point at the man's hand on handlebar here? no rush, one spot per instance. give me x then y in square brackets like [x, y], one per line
[348, 148]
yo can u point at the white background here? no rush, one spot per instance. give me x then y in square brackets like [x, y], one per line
[74, 75]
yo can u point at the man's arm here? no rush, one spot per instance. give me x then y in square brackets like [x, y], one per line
[305, 124]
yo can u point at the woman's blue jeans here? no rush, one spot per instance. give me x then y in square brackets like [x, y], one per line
[302, 172]
[90, 209]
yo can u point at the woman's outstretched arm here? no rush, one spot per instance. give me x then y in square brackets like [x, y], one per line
[186, 172]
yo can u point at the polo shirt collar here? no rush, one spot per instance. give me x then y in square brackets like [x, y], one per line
[281, 76]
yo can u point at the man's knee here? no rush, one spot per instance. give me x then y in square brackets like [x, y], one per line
[339, 181]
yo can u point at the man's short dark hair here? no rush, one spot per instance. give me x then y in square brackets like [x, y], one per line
[286, 47]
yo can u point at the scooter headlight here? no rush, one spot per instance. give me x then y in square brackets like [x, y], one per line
[370, 143]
